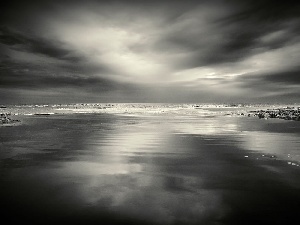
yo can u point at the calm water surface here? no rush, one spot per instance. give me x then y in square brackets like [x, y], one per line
[159, 169]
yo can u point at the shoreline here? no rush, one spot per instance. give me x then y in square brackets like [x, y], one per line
[285, 112]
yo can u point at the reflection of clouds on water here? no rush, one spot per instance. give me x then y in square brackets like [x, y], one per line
[247, 134]
[133, 141]
[276, 143]
[167, 169]
[168, 207]
[128, 174]
[205, 126]
[86, 168]
[283, 145]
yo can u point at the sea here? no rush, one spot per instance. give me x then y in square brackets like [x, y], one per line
[148, 164]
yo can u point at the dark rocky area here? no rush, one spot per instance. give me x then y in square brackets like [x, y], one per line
[7, 120]
[288, 113]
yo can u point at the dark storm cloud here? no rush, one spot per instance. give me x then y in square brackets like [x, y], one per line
[258, 18]
[273, 87]
[291, 77]
[27, 80]
[266, 10]
[240, 30]
[21, 42]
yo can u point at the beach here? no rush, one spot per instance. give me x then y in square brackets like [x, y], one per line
[148, 164]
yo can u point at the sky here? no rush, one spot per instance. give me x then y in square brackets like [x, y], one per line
[210, 51]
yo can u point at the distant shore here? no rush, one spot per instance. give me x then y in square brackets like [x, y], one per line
[290, 112]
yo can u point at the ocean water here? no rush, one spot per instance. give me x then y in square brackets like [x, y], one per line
[137, 168]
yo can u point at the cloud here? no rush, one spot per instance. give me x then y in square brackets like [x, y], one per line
[222, 35]
[287, 77]
[31, 79]
[198, 46]
[21, 42]
[266, 10]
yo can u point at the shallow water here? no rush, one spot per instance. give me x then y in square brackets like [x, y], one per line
[156, 169]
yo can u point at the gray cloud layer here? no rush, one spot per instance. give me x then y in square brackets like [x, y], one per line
[21, 42]
[192, 51]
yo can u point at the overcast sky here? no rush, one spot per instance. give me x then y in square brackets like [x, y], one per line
[149, 51]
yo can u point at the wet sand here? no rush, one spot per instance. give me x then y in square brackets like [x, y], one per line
[150, 169]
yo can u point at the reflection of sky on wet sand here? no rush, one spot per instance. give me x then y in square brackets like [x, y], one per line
[280, 144]
[125, 172]
[158, 169]
[205, 126]
[275, 144]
